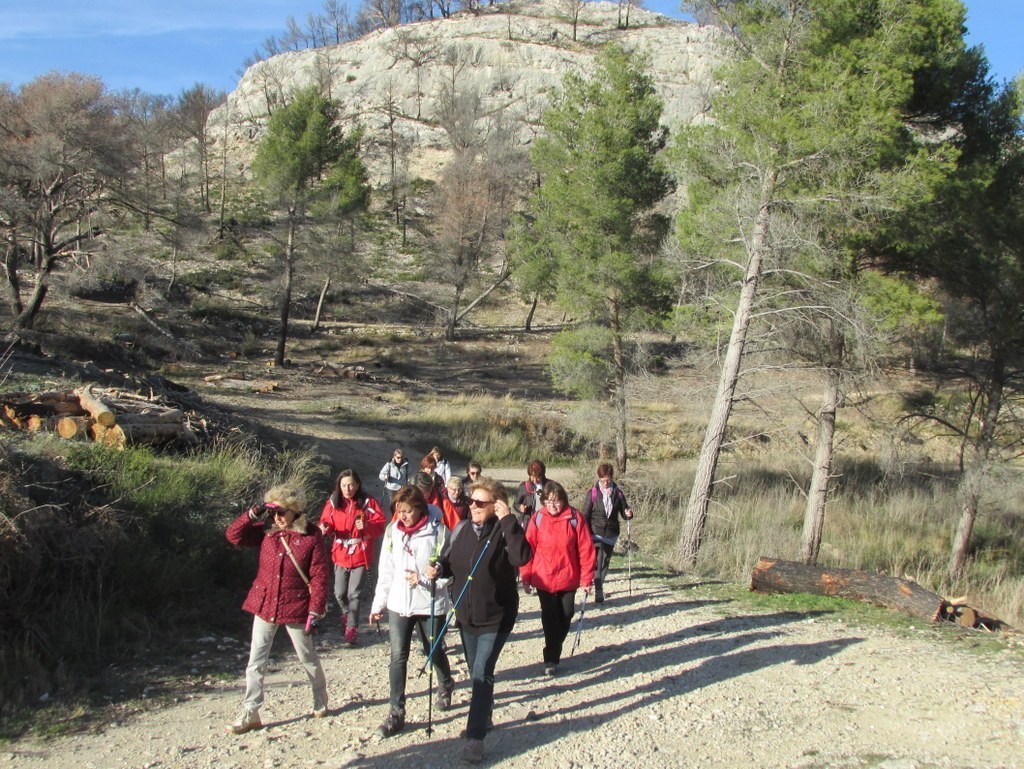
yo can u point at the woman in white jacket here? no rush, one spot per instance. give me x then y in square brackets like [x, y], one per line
[413, 601]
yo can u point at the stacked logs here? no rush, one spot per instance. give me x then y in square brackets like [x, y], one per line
[113, 420]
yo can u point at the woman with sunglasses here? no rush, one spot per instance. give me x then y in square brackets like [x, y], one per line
[482, 559]
[563, 561]
[290, 589]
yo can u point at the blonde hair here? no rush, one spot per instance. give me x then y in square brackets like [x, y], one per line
[492, 487]
[454, 483]
[289, 496]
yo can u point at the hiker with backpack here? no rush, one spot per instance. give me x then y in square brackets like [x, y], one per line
[604, 506]
[528, 493]
[290, 589]
[395, 474]
[563, 561]
[482, 559]
[413, 601]
[353, 520]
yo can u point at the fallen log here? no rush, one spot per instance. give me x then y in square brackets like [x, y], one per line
[772, 575]
[70, 428]
[167, 416]
[154, 434]
[97, 409]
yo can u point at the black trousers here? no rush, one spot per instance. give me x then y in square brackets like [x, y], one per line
[556, 610]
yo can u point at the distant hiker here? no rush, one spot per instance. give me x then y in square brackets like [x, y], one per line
[454, 503]
[604, 505]
[444, 470]
[290, 589]
[428, 467]
[528, 494]
[482, 559]
[411, 599]
[354, 520]
[473, 472]
[563, 561]
[395, 474]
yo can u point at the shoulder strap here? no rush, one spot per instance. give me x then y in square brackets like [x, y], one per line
[458, 530]
[295, 561]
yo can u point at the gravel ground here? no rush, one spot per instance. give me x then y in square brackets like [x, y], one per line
[661, 678]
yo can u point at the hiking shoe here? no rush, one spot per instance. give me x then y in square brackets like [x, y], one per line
[550, 668]
[351, 636]
[392, 725]
[247, 721]
[472, 751]
[443, 701]
[319, 712]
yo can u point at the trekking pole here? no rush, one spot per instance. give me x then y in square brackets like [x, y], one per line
[430, 675]
[629, 557]
[579, 628]
[458, 600]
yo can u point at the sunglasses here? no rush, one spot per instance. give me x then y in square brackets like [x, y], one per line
[473, 502]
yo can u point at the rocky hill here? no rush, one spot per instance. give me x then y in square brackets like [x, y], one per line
[510, 55]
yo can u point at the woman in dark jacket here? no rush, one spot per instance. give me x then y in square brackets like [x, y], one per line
[290, 589]
[490, 546]
[604, 506]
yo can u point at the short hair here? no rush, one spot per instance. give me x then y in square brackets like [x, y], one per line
[555, 489]
[492, 487]
[428, 462]
[454, 482]
[537, 468]
[474, 465]
[287, 495]
[423, 481]
[412, 496]
[605, 470]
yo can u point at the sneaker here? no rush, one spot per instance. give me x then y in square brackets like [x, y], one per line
[443, 701]
[352, 636]
[550, 668]
[247, 721]
[472, 751]
[392, 725]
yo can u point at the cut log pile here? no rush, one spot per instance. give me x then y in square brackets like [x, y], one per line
[112, 419]
[772, 575]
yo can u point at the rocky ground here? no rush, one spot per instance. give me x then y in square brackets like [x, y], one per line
[661, 678]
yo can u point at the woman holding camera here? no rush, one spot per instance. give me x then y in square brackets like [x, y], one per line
[290, 589]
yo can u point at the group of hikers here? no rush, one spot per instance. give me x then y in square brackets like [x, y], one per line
[453, 550]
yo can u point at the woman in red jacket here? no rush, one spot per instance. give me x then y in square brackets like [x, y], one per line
[290, 589]
[354, 519]
[563, 561]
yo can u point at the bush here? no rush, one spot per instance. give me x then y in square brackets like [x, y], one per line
[117, 551]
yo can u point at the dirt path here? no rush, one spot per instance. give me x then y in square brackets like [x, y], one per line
[661, 679]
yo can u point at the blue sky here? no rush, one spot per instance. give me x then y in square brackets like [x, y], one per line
[164, 47]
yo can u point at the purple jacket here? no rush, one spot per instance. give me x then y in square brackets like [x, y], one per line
[279, 594]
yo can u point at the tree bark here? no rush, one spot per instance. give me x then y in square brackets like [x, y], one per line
[286, 299]
[775, 576]
[700, 495]
[821, 475]
[619, 394]
[320, 304]
[97, 409]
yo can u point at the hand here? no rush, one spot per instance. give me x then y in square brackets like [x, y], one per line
[629, 514]
[412, 577]
[376, 616]
[324, 528]
[501, 509]
[432, 571]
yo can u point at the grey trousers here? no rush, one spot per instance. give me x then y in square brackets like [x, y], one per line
[263, 633]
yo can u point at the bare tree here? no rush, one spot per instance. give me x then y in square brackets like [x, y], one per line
[573, 9]
[193, 111]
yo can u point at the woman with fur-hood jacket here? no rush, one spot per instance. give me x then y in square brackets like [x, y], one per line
[563, 561]
[413, 602]
[353, 520]
[290, 589]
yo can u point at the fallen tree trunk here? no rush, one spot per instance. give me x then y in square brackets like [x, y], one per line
[775, 576]
[98, 410]
[151, 434]
[73, 427]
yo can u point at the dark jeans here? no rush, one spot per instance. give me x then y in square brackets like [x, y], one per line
[604, 558]
[400, 630]
[481, 656]
[346, 591]
[556, 610]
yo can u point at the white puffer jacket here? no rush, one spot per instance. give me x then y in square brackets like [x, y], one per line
[401, 553]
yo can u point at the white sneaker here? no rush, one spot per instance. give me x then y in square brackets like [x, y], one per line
[247, 721]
